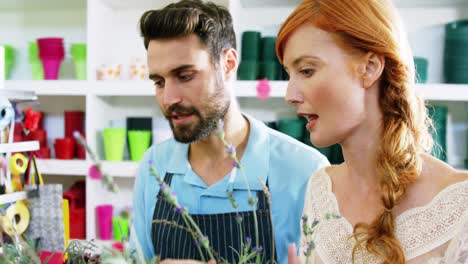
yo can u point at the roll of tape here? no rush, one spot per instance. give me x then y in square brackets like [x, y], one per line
[15, 167]
[19, 213]
[7, 117]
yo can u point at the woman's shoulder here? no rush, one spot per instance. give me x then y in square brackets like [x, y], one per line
[439, 175]
[437, 180]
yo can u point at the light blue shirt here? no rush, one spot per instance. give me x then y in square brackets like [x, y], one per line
[284, 161]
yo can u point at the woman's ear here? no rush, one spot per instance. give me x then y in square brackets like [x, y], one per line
[371, 69]
[230, 62]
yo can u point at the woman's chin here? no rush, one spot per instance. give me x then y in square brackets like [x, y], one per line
[321, 142]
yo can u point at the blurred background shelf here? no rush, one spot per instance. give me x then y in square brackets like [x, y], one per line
[26, 89]
[19, 146]
[53, 87]
[443, 92]
[12, 197]
[18, 95]
[23, 5]
[124, 169]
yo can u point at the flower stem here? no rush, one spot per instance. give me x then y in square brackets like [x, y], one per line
[195, 239]
[199, 232]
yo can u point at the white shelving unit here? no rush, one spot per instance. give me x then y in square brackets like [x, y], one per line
[109, 27]
[19, 146]
[124, 169]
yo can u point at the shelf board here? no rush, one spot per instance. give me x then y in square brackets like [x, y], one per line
[63, 167]
[430, 3]
[148, 4]
[12, 197]
[22, 5]
[443, 92]
[249, 88]
[99, 244]
[81, 167]
[126, 169]
[398, 3]
[51, 87]
[19, 146]
[123, 88]
[431, 91]
[16, 95]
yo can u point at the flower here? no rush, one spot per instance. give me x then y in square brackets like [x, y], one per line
[235, 164]
[307, 252]
[238, 218]
[94, 172]
[179, 209]
[304, 218]
[203, 240]
[259, 250]
[231, 149]
[247, 240]
[253, 201]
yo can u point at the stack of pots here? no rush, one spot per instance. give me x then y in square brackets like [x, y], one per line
[51, 53]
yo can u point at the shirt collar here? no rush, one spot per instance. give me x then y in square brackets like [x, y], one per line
[254, 162]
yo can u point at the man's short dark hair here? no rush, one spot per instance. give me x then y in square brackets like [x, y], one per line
[210, 22]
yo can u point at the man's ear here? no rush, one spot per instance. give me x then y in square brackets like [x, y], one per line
[230, 62]
[371, 69]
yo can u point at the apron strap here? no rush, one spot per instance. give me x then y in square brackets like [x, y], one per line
[168, 178]
[262, 199]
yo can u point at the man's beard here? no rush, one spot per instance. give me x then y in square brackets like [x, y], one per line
[214, 108]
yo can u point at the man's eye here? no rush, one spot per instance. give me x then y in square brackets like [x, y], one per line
[185, 77]
[159, 84]
[307, 72]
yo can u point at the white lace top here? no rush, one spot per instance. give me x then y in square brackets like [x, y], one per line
[434, 233]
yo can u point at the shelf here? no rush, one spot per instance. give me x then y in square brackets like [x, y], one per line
[100, 244]
[398, 3]
[123, 88]
[126, 169]
[63, 167]
[145, 88]
[269, 3]
[52, 87]
[148, 4]
[80, 167]
[21, 5]
[430, 3]
[19, 146]
[249, 88]
[443, 92]
[12, 197]
[16, 95]
[432, 91]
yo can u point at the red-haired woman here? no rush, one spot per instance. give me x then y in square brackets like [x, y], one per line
[352, 76]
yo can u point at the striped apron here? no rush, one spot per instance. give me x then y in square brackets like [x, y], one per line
[172, 240]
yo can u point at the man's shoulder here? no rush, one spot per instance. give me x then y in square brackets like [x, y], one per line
[291, 150]
[158, 154]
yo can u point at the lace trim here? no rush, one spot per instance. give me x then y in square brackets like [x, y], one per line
[419, 229]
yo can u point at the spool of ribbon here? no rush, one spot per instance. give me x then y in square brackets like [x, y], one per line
[7, 115]
[18, 164]
[19, 214]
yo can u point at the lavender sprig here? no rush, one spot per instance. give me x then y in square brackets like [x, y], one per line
[231, 150]
[308, 231]
[106, 179]
[171, 198]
